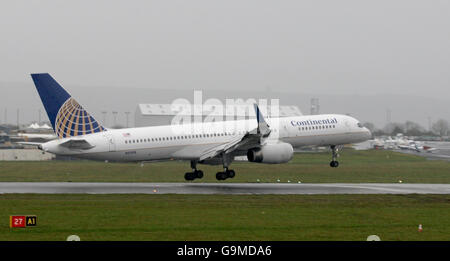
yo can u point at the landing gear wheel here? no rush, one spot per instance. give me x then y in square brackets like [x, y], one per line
[231, 173]
[225, 174]
[199, 174]
[189, 176]
[334, 164]
[196, 174]
[221, 176]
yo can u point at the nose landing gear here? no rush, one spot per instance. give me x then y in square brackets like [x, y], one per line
[334, 163]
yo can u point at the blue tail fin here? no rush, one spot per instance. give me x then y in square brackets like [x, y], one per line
[68, 118]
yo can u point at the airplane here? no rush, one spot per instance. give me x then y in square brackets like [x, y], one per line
[29, 136]
[417, 147]
[269, 141]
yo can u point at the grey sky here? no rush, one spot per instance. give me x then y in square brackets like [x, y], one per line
[362, 48]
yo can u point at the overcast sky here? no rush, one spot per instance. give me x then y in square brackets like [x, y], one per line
[345, 47]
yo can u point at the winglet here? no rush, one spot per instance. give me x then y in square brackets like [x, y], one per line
[263, 127]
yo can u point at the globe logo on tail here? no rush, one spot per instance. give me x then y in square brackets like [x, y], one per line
[73, 120]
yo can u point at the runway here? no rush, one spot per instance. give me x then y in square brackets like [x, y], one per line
[220, 188]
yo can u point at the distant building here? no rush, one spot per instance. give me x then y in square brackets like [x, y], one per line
[36, 128]
[163, 114]
[25, 155]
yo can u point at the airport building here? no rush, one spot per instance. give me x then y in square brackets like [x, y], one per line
[164, 114]
[24, 155]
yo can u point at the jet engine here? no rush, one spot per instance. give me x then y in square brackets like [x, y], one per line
[271, 153]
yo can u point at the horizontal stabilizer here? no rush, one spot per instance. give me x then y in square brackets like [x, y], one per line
[77, 144]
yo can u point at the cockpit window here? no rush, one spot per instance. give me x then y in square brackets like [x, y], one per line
[360, 125]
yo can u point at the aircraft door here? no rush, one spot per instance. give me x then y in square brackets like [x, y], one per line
[111, 142]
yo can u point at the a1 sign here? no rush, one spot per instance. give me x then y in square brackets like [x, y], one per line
[22, 221]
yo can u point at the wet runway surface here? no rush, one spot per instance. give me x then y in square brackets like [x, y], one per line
[221, 188]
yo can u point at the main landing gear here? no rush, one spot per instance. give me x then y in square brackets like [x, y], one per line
[227, 173]
[195, 174]
[223, 175]
[334, 163]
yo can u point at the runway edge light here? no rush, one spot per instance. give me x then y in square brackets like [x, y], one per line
[22, 221]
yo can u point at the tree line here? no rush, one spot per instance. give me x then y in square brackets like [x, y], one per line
[440, 128]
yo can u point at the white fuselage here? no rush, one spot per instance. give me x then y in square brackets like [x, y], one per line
[187, 141]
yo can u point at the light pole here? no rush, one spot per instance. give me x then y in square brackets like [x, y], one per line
[115, 118]
[127, 113]
[104, 117]
[18, 111]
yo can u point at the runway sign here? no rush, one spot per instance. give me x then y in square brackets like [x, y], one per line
[22, 221]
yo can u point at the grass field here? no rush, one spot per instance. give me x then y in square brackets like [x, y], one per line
[355, 167]
[233, 217]
[227, 217]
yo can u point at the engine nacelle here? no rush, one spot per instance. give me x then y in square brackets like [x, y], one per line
[271, 153]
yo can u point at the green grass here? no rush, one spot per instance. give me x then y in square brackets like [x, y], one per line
[355, 167]
[228, 217]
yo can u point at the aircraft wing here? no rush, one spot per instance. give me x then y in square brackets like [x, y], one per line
[247, 140]
[77, 144]
[244, 142]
